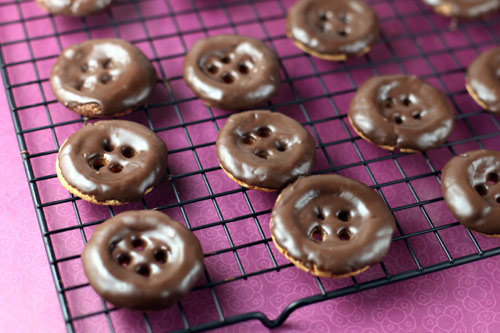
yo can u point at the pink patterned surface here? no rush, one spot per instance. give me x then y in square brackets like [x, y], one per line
[456, 300]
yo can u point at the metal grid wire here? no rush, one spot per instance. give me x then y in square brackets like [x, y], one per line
[392, 174]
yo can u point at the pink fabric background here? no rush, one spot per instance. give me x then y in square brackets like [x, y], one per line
[461, 299]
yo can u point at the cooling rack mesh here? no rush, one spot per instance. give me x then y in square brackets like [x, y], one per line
[245, 278]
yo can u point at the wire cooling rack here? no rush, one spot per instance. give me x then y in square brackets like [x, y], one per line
[245, 277]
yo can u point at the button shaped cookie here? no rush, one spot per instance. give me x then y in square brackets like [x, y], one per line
[142, 260]
[332, 30]
[331, 226]
[232, 72]
[103, 77]
[264, 150]
[471, 189]
[111, 162]
[464, 9]
[483, 80]
[400, 111]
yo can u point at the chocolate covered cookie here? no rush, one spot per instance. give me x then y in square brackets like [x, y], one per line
[102, 77]
[74, 7]
[331, 226]
[142, 260]
[111, 162]
[400, 111]
[264, 150]
[232, 72]
[483, 80]
[332, 30]
[464, 9]
[471, 189]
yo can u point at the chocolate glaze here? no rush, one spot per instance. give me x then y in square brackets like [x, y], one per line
[333, 27]
[112, 74]
[265, 149]
[74, 7]
[232, 72]
[142, 260]
[336, 224]
[465, 9]
[471, 190]
[113, 160]
[483, 78]
[401, 111]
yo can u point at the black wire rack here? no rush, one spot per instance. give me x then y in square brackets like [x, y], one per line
[315, 92]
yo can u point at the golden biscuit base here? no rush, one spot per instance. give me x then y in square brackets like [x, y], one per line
[314, 270]
[239, 182]
[445, 10]
[330, 57]
[475, 97]
[88, 197]
[391, 148]
[94, 110]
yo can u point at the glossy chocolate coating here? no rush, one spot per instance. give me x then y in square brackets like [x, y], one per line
[232, 72]
[471, 189]
[355, 224]
[341, 27]
[142, 260]
[401, 111]
[74, 7]
[265, 150]
[465, 9]
[113, 160]
[110, 74]
[483, 79]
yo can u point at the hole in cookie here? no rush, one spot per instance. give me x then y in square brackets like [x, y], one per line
[143, 270]
[343, 33]
[243, 69]
[115, 168]
[97, 161]
[138, 243]
[160, 256]
[280, 146]
[481, 190]
[318, 234]
[407, 101]
[319, 214]
[226, 60]
[344, 18]
[492, 178]
[325, 27]
[123, 259]
[105, 78]
[106, 63]
[212, 69]
[344, 234]
[227, 78]
[263, 154]
[84, 68]
[248, 139]
[498, 199]
[107, 146]
[324, 15]
[128, 152]
[389, 102]
[263, 132]
[398, 119]
[343, 215]
[416, 115]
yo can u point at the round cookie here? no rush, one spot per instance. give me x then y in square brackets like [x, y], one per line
[332, 30]
[400, 111]
[232, 72]
[111, 162]
[464, 9]
[471, 189]
[74, 7]
[102, 77]
[331, 226]
[264, 150]
[142, 260]
[483, 80]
